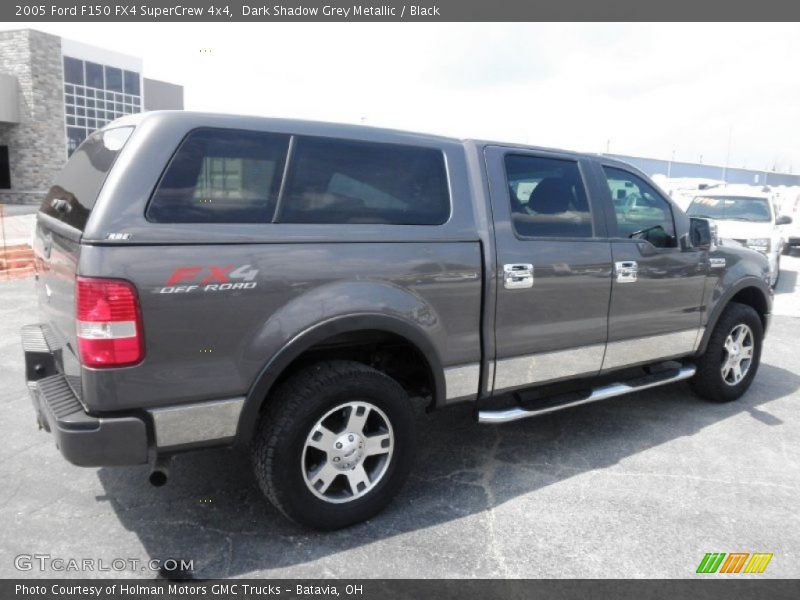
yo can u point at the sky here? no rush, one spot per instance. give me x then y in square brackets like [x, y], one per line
[720, 93]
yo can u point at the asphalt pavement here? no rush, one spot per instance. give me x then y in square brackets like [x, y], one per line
[639, 486]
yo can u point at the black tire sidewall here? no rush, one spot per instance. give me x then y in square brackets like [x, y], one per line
[297, 501]
[711, 367]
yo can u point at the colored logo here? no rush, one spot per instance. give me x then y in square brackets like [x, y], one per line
[734, 562]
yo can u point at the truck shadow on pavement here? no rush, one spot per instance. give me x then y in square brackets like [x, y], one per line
[212, 512]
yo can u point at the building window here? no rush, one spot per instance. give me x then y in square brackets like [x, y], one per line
[5, 169]
[94, 75]
[88, 85]
[131, 83]
[114, 79]
[73, 70]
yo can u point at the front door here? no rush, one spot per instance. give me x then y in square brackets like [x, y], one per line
[657, 288]
[553, 269]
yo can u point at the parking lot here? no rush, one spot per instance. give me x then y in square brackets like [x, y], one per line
[639, 486]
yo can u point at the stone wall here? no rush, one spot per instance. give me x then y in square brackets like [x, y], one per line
[37, 145]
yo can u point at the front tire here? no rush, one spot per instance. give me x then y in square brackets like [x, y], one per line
[731, 359]
[335, 444]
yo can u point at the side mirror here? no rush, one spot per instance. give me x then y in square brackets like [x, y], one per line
[702, 232]
[783, 220]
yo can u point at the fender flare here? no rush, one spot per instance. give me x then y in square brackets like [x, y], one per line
[722, 303]
[248, 419]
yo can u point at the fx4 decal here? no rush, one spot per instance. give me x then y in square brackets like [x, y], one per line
[213, 278]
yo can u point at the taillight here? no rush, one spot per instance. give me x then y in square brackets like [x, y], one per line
[109, 323]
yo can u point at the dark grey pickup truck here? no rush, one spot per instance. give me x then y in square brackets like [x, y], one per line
[290, 287]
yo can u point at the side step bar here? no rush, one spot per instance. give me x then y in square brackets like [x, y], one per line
[600, 393]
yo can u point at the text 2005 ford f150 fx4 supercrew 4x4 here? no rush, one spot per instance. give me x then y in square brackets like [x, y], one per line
[287, 286]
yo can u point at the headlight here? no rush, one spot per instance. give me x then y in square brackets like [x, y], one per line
[759, 244]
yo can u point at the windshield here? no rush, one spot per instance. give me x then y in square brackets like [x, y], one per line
[731, 208]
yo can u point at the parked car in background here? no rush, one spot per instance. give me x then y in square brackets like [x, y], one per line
[792, 230]
[747, 216]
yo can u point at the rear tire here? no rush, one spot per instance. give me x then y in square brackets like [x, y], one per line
[335, 444]
[731, 359]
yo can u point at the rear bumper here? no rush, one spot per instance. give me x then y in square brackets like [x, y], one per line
[83, 439]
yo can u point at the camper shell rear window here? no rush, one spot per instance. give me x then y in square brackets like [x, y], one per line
[77, 186]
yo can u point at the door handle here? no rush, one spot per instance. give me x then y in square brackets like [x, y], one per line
[627, 271]
[518, 276]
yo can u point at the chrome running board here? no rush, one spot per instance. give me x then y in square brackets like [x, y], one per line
[600, 393]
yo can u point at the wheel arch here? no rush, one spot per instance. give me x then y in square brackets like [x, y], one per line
[301, 345]
[751, 292]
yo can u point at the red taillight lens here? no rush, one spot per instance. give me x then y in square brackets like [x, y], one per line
[109, 323]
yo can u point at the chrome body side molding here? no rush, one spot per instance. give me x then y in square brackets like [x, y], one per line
[547, 366]
[200, 422]
[462, 380]
[647, 349]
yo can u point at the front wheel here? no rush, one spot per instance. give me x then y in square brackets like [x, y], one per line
[731, 359]
[335, 444]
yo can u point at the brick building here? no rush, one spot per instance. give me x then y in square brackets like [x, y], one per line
[53, 93]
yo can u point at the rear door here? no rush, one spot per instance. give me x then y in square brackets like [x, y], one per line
[554, 268]
[657, 287]
[61, 220]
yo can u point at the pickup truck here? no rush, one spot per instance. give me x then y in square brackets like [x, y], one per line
[290, 287]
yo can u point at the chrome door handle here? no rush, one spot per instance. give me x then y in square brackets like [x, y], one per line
[518, 276]
[627, 271]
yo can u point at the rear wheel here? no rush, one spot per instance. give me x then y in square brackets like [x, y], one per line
[731, 359]
[335, 444]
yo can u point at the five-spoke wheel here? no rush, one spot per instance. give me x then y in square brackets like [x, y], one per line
[730, 361]
[335, 444]
[347, 452]
[739, 347]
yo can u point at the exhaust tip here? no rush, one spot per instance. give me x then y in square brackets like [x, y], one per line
[158, 478]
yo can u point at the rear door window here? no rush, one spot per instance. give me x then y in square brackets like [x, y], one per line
[547, 197]
[353, 182]
[221, 176]
[77, 186]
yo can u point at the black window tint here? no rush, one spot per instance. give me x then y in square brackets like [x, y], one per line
[77, 185]
[114, 79]
[5, 169]
[547, 197]
[73, 70]
[221, 176]
[94, 75]
[342, 181]
[641, 212]
[131, 83]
